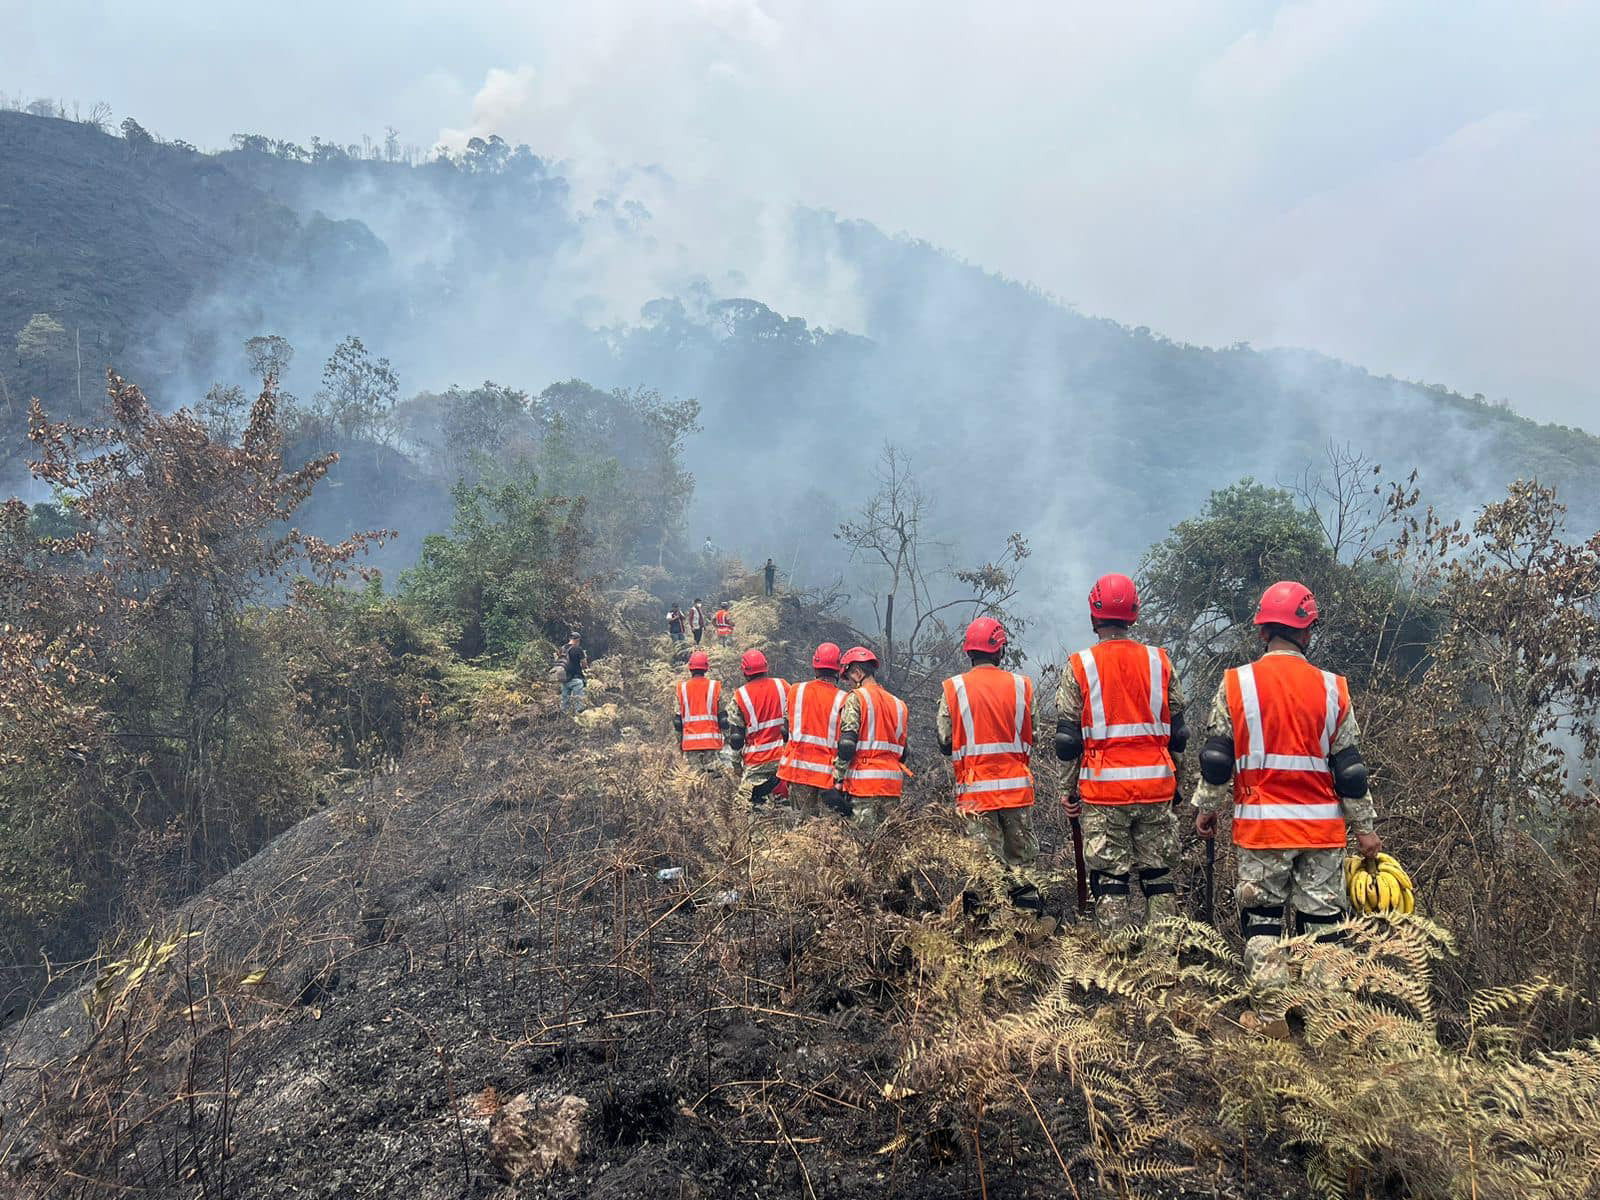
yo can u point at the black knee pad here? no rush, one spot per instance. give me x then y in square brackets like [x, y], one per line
[759, 794]
[1261, 922]
[1157, 882]
[1102, 883]
[1322, 926]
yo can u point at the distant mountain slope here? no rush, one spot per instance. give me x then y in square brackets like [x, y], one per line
[116, 242]
[1019, 412]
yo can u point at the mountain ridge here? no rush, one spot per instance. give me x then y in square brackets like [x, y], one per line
[486, 268]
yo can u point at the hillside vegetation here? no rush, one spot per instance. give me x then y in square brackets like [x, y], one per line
[467, 979]
[172, 259]
[458, 971]
[307, 888]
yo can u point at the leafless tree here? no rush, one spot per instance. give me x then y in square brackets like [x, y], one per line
[1344, 496]
[888, 537]
[887, 534]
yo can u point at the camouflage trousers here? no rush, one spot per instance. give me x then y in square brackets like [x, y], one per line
[1119, 839]
[1310, 882]
[1007, 834]
[703, 760]
[868, 811]
[807, 799]
[757, 782]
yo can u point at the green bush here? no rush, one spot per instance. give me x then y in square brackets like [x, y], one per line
[508, 570]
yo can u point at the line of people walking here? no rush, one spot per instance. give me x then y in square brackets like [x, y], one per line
[1280, 752]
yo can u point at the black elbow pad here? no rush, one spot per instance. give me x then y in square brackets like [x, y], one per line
[1349, 773]
[1216, 760]
[1069, 741]
[847, 746]
[1178, 739]
[677, 723]
[736, 738]
[946, 747]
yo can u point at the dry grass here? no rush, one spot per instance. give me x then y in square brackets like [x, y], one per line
[1125, 1075]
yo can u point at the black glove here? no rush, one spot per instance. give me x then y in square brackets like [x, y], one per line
[839, 802]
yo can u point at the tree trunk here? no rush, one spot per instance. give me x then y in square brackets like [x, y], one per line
[888, 639]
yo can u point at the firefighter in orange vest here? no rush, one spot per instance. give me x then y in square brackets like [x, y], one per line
[698, 716]
[985, 725]
[815, 708]
[1119, 729]
[722, 621]
[1281, 748]
[758, 725]
[869, 768]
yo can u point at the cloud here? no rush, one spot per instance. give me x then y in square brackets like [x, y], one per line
[1298, 36]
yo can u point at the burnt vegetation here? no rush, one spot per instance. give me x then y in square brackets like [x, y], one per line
[459, 949]
[306, 886]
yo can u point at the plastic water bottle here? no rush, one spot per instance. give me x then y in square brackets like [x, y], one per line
[668, 874]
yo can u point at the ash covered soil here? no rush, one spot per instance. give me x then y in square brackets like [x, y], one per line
[467, 980]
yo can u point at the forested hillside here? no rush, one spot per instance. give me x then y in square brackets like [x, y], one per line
[163, 261]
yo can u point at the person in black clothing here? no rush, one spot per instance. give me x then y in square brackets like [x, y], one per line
[572, 690]
[675, 623]
[771, 572]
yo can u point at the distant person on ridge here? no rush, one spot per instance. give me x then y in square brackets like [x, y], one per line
[1119, 729]
[985, 726]
[770, 574]
[1283, 733]
[722, 620]
[815, 707]
[698, 716]
[758, 726]
[574, 660]
[708, 547]
[868, 769]
[697, 620]
[675, 623]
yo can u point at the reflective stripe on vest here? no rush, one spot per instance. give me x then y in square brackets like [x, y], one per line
[880, 744]
[764, 704]
[1285, 713]
[991, 738]
[1126, 723]
[699, 699]
[814, 711]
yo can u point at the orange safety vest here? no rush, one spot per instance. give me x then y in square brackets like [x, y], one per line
[991, 738]
[699, 701]
[814, 710]
[1285, 713]
[876, 769]
[723, 622]
[764, 703]
[1127, 723]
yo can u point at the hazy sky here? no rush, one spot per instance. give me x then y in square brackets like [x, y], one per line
[1410, 186]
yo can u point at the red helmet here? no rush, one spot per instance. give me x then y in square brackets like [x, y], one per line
[1287, 602]
[986, 635]
[1114, 598]
[753, 662]
[699, 661]
[826, 658]
[857, 654]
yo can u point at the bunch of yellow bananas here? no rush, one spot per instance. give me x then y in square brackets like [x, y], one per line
[1378, 887]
